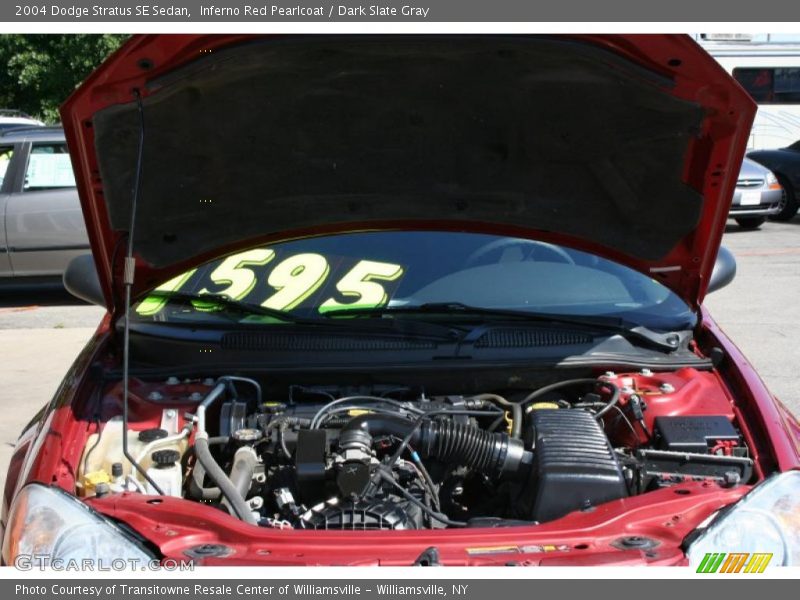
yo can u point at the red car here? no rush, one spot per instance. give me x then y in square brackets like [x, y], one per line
[406, 300]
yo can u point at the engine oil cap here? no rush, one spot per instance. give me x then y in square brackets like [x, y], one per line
[165, 458]
[151, 435]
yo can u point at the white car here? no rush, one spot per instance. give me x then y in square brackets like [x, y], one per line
[11, 119]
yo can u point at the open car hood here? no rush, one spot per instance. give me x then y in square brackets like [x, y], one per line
[627, 146]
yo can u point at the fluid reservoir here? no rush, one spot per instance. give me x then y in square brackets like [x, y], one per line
[104, 450]
[165, 470]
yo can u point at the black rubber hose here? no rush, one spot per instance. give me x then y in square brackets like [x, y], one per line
[454, 443]
[196, 489]
[574, 382]
[612, 403]
[373, 424]
[536, 394]
[234, 499]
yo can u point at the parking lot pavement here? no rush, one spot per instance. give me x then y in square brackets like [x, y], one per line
[760, 310]
[33, 363]
[46, 310]
[40, 335]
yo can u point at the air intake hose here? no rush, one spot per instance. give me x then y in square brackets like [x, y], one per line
[490, 453]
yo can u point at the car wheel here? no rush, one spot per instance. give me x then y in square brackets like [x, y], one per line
[751, 222]
[788, 205]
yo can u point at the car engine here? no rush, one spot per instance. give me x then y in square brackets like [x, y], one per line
[391, 457]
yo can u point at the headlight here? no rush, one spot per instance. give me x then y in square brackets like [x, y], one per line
[771, 179]
[767, 520]
[46, 525]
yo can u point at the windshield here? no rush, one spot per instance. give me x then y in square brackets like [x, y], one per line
[311, 277]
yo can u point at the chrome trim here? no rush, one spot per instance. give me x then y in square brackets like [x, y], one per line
[749, 183]
[755, 211]
[49, 248]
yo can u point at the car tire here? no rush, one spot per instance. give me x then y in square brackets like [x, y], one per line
[751, 222]
[789, 203]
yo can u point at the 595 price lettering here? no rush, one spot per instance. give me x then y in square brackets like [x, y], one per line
[293, 280]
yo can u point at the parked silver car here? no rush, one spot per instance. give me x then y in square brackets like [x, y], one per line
[758, 195]
[41, 223]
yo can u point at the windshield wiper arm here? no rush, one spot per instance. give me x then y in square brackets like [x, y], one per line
[224, 301]
[410, 328]
[663, 341]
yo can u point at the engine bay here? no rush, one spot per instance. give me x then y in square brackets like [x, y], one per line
[383, 456]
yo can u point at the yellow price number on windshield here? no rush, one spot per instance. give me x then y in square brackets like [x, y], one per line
[294, 279]
[233, 271]
[361, 285]
[152, 305]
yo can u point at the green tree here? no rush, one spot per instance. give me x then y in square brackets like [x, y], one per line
[38, 72]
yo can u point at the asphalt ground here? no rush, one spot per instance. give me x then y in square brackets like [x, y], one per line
[42, 332]
[760, 309]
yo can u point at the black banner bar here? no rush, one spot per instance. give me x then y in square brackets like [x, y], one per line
[389, 589]
[388, 11]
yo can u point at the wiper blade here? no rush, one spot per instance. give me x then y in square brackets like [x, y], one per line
[409, 328]
[663, 341]
[226, 302]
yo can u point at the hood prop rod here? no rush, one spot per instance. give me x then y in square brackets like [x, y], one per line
[130, 267]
